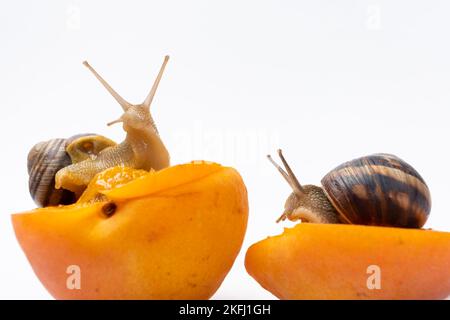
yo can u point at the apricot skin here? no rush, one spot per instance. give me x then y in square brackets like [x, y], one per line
[325, 261]
[174, 241]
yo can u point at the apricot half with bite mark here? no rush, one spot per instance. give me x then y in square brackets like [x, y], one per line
[338, 261]
[170, 234]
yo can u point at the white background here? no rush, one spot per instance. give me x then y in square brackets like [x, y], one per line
[325, 80]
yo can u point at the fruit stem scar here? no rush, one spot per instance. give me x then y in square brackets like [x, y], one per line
[109, 209]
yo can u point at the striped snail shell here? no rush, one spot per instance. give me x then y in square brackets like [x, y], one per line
[380, 189]
[46, 158]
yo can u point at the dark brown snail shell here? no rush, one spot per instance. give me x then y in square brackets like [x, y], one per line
[46, 158]
[379, 189]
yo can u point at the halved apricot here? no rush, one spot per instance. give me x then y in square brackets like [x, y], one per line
[331, 261]
[170, 234]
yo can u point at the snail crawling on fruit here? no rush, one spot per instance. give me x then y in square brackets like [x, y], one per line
[60, 169]
[379, 189]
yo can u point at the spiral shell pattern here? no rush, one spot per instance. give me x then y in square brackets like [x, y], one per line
[379, 189]
[44, 160]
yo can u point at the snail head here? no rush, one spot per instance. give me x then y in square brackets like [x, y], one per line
[307, 203]
[135, 116]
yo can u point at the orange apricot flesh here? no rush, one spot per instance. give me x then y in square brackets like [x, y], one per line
[172, 234]
[326, 261]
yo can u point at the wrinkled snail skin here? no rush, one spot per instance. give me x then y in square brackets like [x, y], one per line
[130, 153]
[379, 190]
[305, 208]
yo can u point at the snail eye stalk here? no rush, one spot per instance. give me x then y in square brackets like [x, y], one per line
[289, 176]
[123, 103]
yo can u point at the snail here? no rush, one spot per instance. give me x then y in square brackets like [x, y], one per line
[60, 169]
[379, 189]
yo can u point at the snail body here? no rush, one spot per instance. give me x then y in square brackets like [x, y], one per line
[379, 189]
[68, 168]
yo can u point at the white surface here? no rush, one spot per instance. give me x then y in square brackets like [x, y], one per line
[327, 81]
